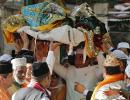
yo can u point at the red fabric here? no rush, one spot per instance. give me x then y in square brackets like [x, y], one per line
[38, 86]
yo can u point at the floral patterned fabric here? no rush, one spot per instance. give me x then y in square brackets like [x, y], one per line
[42, 13]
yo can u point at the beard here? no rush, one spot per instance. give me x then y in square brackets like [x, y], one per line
[19, 81]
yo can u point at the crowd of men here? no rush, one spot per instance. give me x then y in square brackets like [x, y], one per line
[41, 77]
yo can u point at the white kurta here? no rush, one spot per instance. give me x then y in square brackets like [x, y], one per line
[88, 76]
[99, 95]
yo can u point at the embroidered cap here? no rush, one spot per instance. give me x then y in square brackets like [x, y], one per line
[111, 60]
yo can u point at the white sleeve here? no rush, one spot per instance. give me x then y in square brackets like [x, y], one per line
[50, 60]
[58, 68]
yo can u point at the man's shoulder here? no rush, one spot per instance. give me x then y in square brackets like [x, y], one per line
[28, 93]
[27, 90]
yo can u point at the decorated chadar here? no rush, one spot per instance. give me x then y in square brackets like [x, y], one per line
[11, 25]
[43, 16]
[94, 30]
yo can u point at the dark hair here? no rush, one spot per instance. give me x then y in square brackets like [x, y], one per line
[5, 67]
[71, 59]
[30, 59]
[40, 78]
[124, 62]
[110, 70]
[39, 69]
[55, 76]
[128, 51]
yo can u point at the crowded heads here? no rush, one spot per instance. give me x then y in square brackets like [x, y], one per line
[19, 69]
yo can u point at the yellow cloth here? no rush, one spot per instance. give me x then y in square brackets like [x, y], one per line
[10, 25]
[89, 46]
[109, 79]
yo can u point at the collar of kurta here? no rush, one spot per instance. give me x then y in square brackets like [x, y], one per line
[39, 87]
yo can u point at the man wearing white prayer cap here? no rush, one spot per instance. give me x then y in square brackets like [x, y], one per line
[124, 46]
[122, 57]
[5, 57]
[19, 70]
[119, 54]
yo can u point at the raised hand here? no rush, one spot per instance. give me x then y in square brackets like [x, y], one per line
[53, 45]
[25, 40]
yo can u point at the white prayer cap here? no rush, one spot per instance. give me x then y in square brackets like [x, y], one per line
[5, 57]
[119, 54]
[18, 62]
[123, 45]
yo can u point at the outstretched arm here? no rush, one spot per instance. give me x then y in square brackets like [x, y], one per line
[58, 68]
[50, 57]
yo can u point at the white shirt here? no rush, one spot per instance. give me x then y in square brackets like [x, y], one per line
[50, 61]
[99, 95]
[88, 76]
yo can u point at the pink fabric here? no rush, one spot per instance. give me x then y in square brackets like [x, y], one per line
[38, 86]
